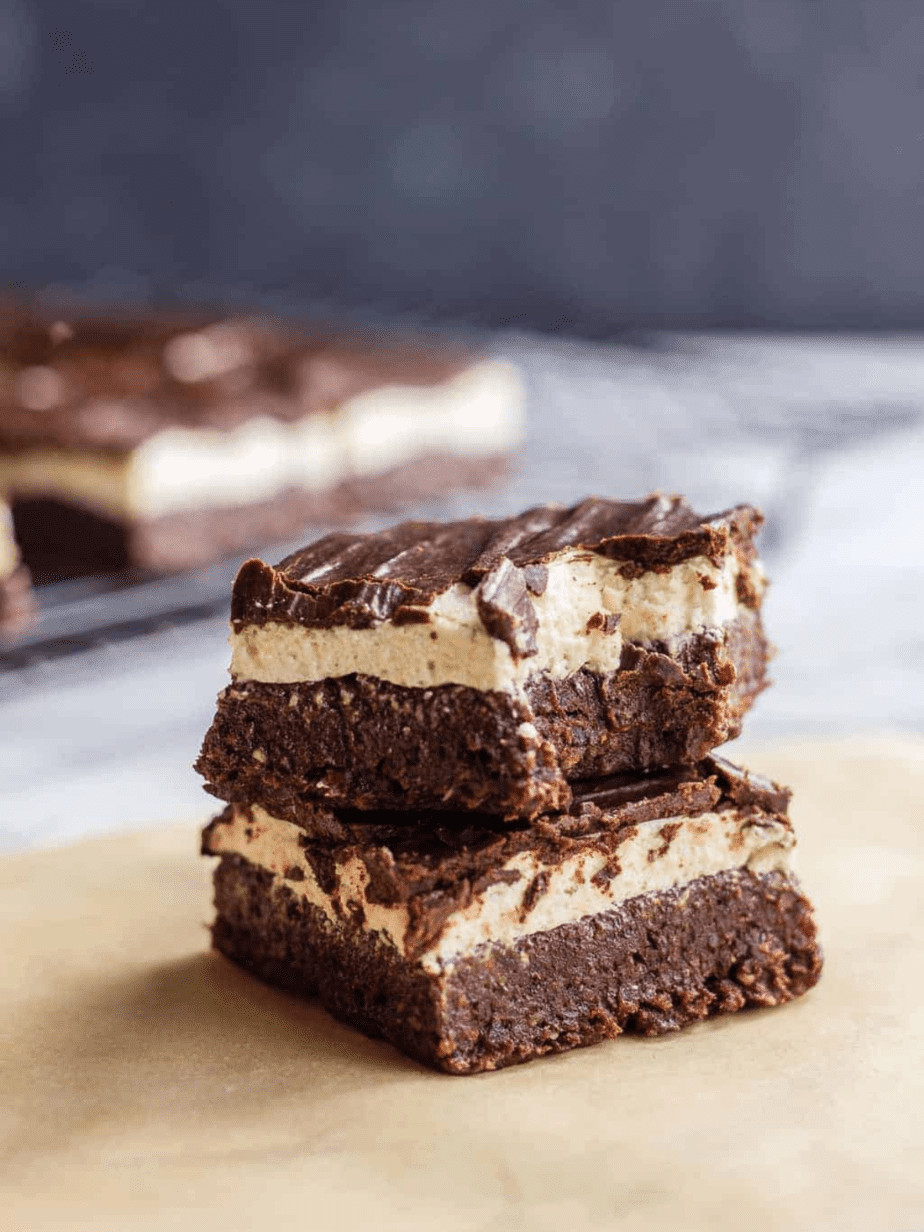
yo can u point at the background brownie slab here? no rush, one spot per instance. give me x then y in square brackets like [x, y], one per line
[652, 904]
[165, 443]
[492, 720]
[16, 604]
[186, 371]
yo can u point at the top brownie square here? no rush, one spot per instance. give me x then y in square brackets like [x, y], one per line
[484, 664]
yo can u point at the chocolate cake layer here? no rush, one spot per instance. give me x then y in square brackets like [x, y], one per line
[656, 964]
[484, 664]
[473, 947]
[141, 424]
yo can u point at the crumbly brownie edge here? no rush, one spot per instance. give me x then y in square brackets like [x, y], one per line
[651, 965]
[359, 742]
[666, 706]
[470, 748]
[60, 538]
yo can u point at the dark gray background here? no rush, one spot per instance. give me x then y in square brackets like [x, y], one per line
[582, 165]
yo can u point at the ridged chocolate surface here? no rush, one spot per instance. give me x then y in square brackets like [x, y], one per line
[106, 384]
[361, 580]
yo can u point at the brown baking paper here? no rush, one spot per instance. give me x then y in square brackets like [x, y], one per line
[149, 1084]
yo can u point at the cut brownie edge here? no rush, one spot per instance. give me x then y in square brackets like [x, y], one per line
[650, 965]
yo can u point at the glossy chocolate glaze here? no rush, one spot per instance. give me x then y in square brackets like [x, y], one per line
[360, 580]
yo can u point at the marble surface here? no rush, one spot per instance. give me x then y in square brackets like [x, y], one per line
[827, 435]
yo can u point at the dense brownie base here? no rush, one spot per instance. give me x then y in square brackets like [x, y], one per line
[61, 539]
[364, 743]
[16, 601]
[654, 964]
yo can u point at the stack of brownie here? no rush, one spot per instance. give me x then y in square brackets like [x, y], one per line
[471, 798]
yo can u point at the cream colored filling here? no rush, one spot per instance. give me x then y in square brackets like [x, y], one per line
[478, 413]
[9, 555]
[702, 846]
[454, 647]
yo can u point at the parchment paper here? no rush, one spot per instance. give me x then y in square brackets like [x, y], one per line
[148, 1084]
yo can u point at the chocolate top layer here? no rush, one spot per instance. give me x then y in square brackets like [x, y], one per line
[361, 580]
[106, 384]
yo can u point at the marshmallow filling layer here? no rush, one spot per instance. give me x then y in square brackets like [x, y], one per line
[657, 855]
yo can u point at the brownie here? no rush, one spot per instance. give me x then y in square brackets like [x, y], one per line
[166, 442]
[16, 600]
[650, 904]
[485, 664]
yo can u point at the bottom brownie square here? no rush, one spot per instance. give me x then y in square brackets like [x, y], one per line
[653, 904]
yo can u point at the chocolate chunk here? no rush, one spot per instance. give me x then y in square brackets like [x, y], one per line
[604, 622]
[506, 610]
[537, 578]
[360, 579]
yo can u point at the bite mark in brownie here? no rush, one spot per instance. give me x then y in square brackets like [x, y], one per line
[485, 664]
